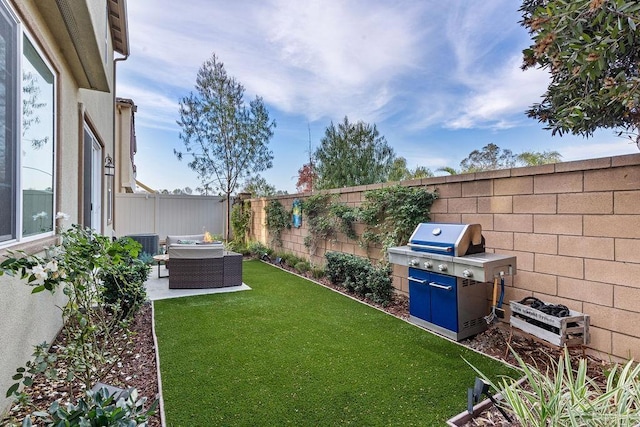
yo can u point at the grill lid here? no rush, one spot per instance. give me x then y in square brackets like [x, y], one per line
[447, 239]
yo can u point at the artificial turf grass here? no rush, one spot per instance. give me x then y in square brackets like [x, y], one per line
[292, 352]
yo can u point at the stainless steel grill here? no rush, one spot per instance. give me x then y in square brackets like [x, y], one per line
[448, 267]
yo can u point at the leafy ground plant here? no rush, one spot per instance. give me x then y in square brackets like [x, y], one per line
[97, 408]
[569, 397]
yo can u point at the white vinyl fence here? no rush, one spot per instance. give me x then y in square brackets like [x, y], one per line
[165, 214]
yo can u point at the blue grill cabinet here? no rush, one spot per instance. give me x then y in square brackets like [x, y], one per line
[452, 306]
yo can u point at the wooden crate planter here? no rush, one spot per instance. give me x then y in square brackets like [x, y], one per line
[570, 331]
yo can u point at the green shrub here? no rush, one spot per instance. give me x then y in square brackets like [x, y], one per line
[92, 338]
[360, 276]
[317, 272]
[123, 281]
[380, 285]
[238, 246]
[292, 260]
[257, 249]
[302, 266]
[123, 287]
[146, 258]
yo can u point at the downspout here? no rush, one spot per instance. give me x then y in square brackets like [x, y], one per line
[115, 148]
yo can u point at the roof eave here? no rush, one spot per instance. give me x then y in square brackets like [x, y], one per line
[118, 24]
[71, 24]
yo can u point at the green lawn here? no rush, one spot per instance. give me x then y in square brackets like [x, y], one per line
[293, 352]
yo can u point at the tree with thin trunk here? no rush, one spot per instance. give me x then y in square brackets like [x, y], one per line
[225, 139]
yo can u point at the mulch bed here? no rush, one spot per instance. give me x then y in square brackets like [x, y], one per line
[137, 369]
[138, 366]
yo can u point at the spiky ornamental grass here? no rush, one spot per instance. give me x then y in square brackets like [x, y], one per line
[292, 352]
[567, 396]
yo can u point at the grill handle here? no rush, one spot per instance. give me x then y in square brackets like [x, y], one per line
[431, 247]
[432, 284]
[436, 285]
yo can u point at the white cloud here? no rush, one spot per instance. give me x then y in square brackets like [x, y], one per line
[497, 98]
[606, 146]
[315, 58]
[155, 110]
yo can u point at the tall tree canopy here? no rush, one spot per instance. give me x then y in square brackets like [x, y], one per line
[492, 157]
[489, 158]
[535, 158]
[225, 139]
[259, 187]
[400, 172]
[352, 154]
[592, 50]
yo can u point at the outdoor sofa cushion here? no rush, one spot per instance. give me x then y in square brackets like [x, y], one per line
[204, 251]
[171, 240]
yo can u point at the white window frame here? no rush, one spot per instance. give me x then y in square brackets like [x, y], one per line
[22, 32]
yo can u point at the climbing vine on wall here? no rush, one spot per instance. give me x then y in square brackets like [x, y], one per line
[240, 218]
[391, 214]
[277, 219]
[325, 218]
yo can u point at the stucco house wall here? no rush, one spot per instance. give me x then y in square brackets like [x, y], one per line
[574, 228]
[84, 94]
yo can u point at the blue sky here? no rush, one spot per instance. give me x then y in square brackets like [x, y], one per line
[438, 78]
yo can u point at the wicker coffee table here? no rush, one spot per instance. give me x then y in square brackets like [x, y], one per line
[161, 259]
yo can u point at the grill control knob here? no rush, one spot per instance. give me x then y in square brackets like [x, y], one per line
[467, 273]
[428, 264]
[413, 263]
[442, 267]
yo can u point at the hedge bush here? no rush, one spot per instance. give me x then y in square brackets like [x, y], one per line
[123, 281]
[360, 276]
[257, 249]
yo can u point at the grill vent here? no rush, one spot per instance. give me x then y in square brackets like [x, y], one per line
[474, 322]
[469, 282]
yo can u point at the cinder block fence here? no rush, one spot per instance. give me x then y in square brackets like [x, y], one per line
[574, 227]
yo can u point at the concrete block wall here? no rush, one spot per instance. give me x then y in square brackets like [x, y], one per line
[574, 228]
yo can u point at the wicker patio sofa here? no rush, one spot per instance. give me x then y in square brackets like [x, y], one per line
[197, 266]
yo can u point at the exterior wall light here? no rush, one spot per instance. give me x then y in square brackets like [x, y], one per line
[109, 167]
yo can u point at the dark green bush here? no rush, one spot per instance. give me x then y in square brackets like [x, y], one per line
[380, 285]
[360, 276]
[124, 286]
[123, 281]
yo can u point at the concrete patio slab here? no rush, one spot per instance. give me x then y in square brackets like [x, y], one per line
[158, 288]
